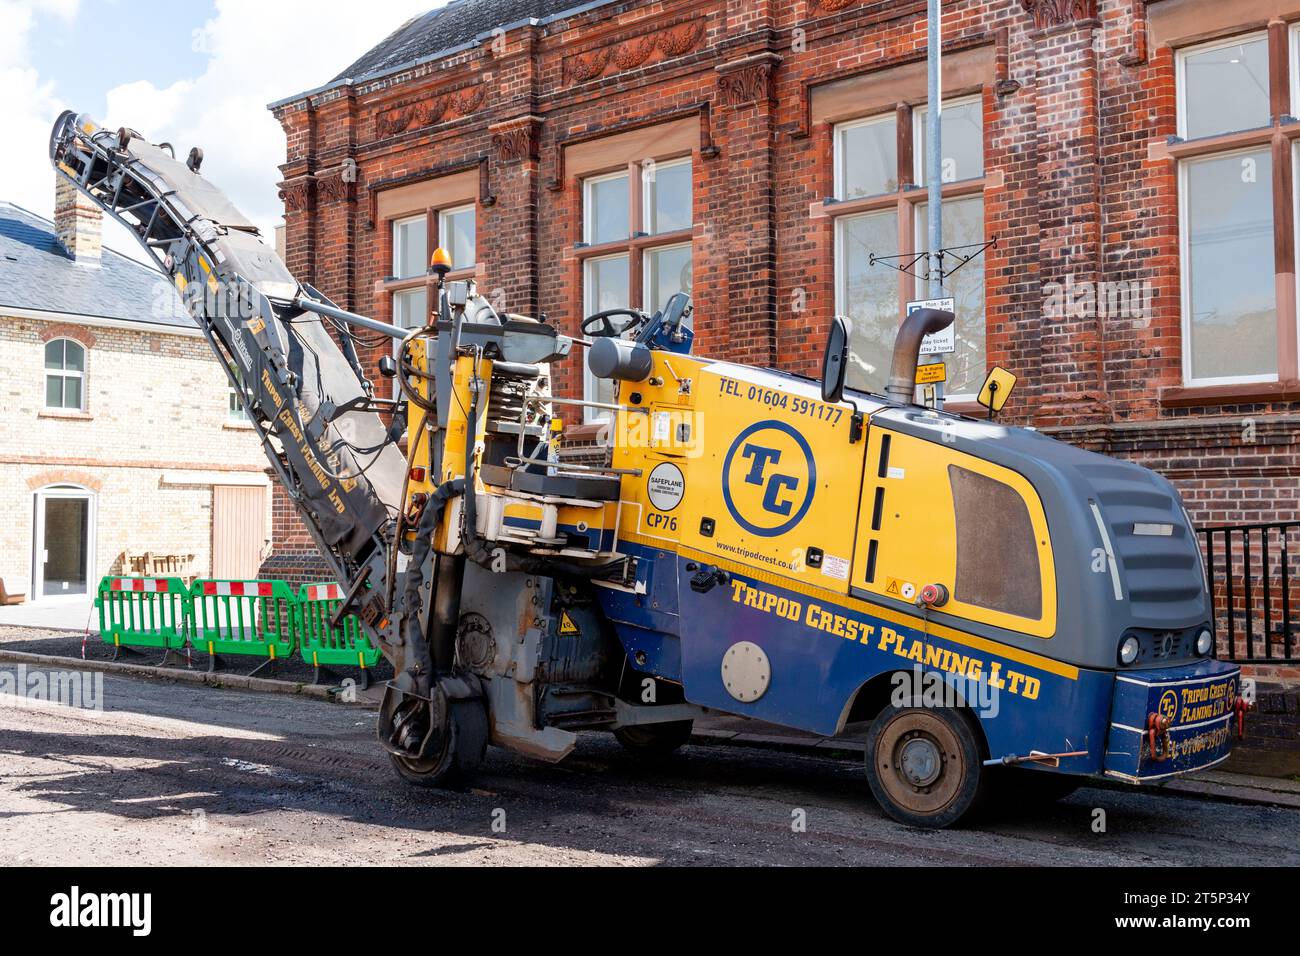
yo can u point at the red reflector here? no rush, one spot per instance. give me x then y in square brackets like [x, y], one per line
[417, 474]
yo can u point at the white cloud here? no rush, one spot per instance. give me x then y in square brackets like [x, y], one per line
[257, 51]
[28, 106]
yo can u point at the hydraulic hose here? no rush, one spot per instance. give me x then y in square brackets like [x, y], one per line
[419, 661]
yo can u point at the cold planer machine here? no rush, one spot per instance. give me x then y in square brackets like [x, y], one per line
[988, 608]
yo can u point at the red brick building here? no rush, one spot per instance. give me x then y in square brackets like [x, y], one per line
[1133, 159]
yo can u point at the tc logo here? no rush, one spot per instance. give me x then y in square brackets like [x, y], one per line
[769, 478]
[1168, 706]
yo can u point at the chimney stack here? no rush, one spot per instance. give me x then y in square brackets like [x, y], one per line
[78, 223]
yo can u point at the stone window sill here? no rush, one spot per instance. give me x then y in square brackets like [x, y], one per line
[1246, 393]
[65, 413]
[238, 426]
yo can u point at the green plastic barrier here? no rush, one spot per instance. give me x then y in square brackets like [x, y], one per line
[244, 617]
[143, 612]
[322, 645]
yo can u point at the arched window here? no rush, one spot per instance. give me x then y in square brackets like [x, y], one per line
[65, 370]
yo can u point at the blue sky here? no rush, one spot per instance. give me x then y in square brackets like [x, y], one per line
[156, 40]
[190, 72]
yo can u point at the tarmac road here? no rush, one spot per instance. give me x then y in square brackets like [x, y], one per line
[183, 774]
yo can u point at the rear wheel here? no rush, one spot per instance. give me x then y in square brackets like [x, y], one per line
[462, 748]
[655, 739]
[924, 765]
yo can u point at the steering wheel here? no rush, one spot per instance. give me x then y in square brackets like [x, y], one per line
[601, 325]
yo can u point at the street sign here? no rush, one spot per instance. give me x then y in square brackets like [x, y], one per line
[929, 374]
[941, 343]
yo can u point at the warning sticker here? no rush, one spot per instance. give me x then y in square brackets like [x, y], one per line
[835, 567]
[905, 590]
[567, 627]
[929, 374]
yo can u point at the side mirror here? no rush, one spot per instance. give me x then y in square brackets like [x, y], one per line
[835, 364]
[996, 389]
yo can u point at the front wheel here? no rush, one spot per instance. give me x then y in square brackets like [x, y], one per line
[924, 765]
[459, 753]
[655, 739]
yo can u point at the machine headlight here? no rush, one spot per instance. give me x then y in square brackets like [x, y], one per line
[1128, 650]
[1204, 642]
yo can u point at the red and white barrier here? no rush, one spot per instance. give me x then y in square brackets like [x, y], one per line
[145, 585]
[324, 592]
[238, 588]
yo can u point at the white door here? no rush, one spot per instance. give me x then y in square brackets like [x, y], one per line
[238, 531]
[63, 538]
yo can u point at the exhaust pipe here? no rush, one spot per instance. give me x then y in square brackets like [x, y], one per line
[902, 372]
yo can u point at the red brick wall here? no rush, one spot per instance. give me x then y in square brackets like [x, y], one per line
[294, 556]
[1076, 110]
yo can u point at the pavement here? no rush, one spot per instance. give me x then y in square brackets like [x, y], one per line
[158, 772]
[61, 614]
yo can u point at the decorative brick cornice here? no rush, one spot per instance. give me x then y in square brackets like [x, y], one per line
[630, 54]
[748, 80]
[296, 194]
[516, 140]
[333, 186]
[430, 111]
[830, 6]
[1056, 13]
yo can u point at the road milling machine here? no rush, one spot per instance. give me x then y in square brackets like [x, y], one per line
[989, 610]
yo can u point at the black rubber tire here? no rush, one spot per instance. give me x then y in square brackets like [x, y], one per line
[656, 740]
[463, 749]
[958, 786]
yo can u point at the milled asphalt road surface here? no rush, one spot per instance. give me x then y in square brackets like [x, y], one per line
[182, 774]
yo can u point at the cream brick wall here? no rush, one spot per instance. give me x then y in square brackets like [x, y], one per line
[154, 438]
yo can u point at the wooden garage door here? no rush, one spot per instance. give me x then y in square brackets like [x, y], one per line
[238, 531]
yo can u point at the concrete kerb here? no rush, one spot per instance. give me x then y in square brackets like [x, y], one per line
[263, 685]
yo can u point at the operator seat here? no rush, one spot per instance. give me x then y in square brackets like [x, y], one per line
[562, 484]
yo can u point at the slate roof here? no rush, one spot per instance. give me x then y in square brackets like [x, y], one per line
[36, 274]
[452, 26]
